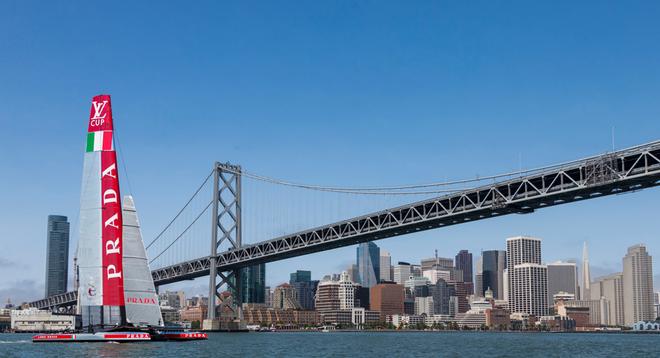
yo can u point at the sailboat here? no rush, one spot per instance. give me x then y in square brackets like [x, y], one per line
[117, 300]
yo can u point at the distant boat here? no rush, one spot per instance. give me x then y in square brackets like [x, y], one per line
[117, 298]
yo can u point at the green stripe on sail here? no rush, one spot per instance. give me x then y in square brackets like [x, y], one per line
[90, 142]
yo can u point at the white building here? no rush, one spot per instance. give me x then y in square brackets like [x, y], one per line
[34, 320]
[424, 305]
[346, 292]
[527, 278]
[656, 297]
[435, 273]
[407, 320]
[609, 291]
[638, 285]
[646, 326]
[402, 272]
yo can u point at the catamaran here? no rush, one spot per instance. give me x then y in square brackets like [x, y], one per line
[117, 299]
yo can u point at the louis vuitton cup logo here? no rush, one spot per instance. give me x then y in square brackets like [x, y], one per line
[99, 116]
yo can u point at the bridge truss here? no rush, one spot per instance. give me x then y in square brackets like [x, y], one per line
[618, 172]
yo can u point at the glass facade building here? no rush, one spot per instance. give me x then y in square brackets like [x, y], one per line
[57, 255]
[493, 263]
[253, 284]
[305, 288]
[368, 262]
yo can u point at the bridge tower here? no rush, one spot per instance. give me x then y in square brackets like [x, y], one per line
[225, 234]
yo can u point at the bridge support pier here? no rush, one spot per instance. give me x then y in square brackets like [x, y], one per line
[225, 229]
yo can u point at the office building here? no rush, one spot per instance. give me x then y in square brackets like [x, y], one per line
[368, 262]
[656, 299]
[445, 262]
[437, 272]
[174, 299]
[493, 263]
[528, 279]
[463, 262]
[424, 305]
[327, 296]
[346, 292]
[57, 255]
[402, 272]
[609, 291]
[562, 277]
[638, 285]
[441, 293]
[285, 297]
[353, 273]
[385, 266]
[585, 282]
[386, 298]
[305, 288]
[479, 290]
[253, 283]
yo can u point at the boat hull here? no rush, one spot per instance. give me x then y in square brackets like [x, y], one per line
[93, 337]
[180, 336]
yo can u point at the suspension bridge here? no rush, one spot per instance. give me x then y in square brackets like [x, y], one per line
[208, 236]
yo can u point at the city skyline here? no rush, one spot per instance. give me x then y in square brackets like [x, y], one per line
[475, 98]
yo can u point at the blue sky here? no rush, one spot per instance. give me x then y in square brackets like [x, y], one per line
[337, 93]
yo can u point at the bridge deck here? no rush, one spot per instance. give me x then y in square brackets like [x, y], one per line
[618, 172]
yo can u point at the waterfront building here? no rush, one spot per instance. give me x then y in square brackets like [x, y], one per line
[385, 266]
[305, 288]
[646, 326]
[637, 285]
[346, 292]
[471, 320]
[608, 290]
[368, 262]
[527, 278]
[402, 272]
[194, 313]
[411, 321]
[361, 316]
[585, 285]
[327, 296]
[493, 263]
[562, 277]
[34, 320]
[285, 297]
[260, 315]
[595, 308]
[387, 298]
[438, 319]
[57, 255]
[463, 262]
[656, 299]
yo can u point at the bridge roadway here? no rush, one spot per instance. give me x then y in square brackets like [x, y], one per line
[613, 173]
[622, 171]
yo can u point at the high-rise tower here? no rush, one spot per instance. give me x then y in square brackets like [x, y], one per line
[57, 255]
[586, 275]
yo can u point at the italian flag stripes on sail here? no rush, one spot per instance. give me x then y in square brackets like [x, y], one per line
[101, 140]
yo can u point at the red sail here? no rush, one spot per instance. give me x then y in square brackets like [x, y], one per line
[100, 120]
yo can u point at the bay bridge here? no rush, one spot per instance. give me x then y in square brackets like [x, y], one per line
[207, 237]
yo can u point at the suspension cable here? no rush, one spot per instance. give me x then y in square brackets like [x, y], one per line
[180, 211]
[184, 231]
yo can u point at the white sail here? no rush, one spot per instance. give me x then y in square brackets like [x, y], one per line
[142, 308]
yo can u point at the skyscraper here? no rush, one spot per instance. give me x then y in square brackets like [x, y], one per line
[585, 283]
[368, 261]
[528, 285]
[57, 254]
[562, 277]
[385, 266]
[253, 284]
[463, 261]
[609, 291]
[479, 278]
[284, 297]
[402, 272]
[305, 288]
[346, 292]
[327, 296]
[493, 263]
[637, 285]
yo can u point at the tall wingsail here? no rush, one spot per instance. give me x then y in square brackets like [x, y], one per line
[142, 308]
[99, 256]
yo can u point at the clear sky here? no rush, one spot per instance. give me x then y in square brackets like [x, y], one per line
[337, 93]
